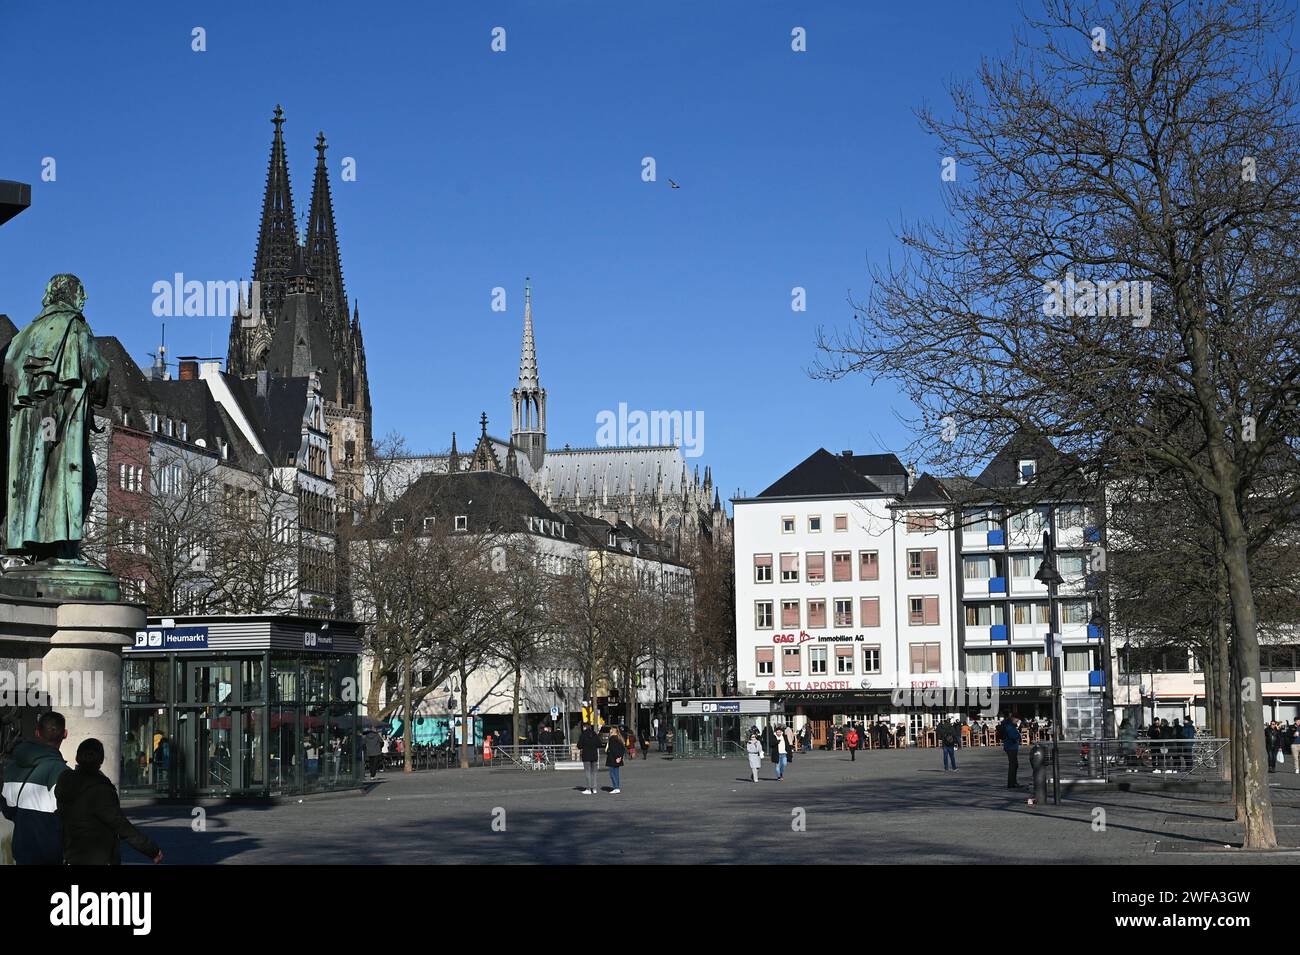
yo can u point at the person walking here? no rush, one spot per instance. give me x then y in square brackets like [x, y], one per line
[374, 750]
[91, 815]
[789, 743]
[27, 797]
[1294, 731]
[1271, 745]
[589, 750]
[851, 740]
[615, 750]
[754, 751]
[1011, 746]
[948, 737]
[778, 752]
[645, 746]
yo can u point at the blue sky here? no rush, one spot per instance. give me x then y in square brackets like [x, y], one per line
[477, 168]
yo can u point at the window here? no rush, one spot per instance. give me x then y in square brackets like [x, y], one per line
[762, 568]
[842, 566]
[1026, 612]
[398, 524]
[1078, 661]
[841, 522]
[789, 568]
[868, 565]
[843, 660]
[121, 476]
[1027, 522]
[787, 525]
[925, 657]
[920, 523]
[1070, 516]
[979, 663]
[789, 613]
[1027, 468]
[923, 563]
[976, 568]
[816, 568]
[980, 520]
[843, 612]
[765, 661]
[763, 615]
[428, 525]
[870, 607]
[816, 661]
[1070, 566]
[923, 611]
[462, 522]
[815, 524]
[1028, 661]
[791, 664]
[1075, 611]
[871, 659]
[816, 613]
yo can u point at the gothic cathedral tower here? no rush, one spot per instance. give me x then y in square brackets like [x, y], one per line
[528, 425]
[318, 335]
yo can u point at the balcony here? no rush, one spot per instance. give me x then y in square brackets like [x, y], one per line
[997, 538]
[1033, 678]
[1097, 678]
[998, 631]
[979, 634]
[1094, 632]
[1001, 680]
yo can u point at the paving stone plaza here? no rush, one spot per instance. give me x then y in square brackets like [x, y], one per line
[885, 807]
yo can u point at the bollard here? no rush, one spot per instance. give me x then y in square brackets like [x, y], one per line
[1038, 762]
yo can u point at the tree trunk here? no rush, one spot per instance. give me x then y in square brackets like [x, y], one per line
[514, 721]
[408, 717]
[1235, 746]
[467, 730]
[1258, 802]
[373, 706]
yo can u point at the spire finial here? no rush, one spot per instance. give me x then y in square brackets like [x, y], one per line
[279, 118]
[320, 146]
[483, 421]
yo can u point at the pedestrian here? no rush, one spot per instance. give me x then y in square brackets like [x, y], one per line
[789, 743]
[1272, 743]
[851, 741]
[1293, 731]
[27, 798]
[645, 745]
[948, 736]
[589, 750]
[91, 815]
[615, 750]
[1011, 746]
[779, 753]
[374, 751]
[1189, 743]
[754, 750]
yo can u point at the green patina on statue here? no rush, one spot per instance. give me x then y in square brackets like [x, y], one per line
[54, 375]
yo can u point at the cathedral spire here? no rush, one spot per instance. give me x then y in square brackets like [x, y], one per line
[276, 243]
[453, 459]
[323, 250]
[528, 426]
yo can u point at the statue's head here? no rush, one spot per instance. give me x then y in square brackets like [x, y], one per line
[65, 289]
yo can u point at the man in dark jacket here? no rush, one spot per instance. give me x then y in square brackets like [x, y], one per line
[1011, 746]
[28, 794]
[374, 750]
[93, 824]
[589, 747]
[948, 737]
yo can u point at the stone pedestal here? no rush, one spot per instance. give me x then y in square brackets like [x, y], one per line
[73, 652]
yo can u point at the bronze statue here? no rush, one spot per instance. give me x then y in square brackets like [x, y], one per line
[53, 376]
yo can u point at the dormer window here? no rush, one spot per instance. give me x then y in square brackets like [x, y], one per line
[462, 522]
[185, 431]
[1027, 469]
[428, 525]
[613, 538]
[398, 524]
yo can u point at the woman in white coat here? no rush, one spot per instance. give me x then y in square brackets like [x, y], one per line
[755, 750]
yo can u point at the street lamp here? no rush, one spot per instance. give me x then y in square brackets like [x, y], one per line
[1051, 577]
[1107, 705]
[14, 198]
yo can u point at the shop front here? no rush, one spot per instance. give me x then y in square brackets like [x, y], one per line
[240, 706]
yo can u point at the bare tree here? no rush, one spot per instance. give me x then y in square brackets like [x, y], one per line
[523, 625]
[1118, 273]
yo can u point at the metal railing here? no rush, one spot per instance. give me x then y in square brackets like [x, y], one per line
[1108, 760]
[528, 757]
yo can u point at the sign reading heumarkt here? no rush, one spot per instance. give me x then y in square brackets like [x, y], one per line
[318, 640]
[171, 638]
[720, 706]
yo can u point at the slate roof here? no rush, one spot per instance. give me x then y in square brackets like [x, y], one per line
[824, 474]
[301, 343]
[276, 415]
[491, 500]
[927, 490]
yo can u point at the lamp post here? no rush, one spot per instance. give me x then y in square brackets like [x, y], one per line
[1107, 705]
[1049, 575]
